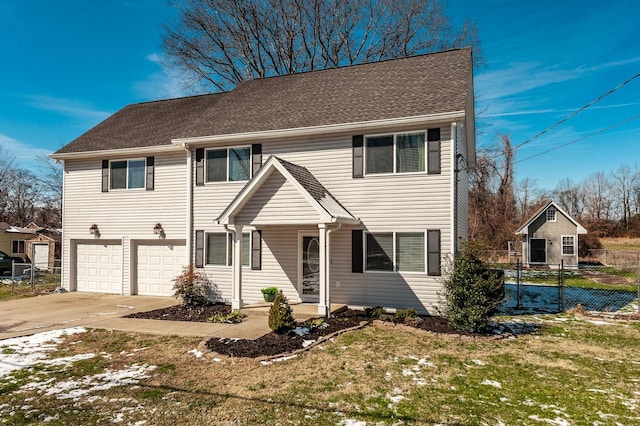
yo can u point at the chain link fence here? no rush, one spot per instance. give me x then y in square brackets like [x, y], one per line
[23, 278]
[592, 287]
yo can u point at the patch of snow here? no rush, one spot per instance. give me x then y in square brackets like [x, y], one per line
[598, 322]
[195, 352]
[491, 383]
[217, 360]
[556, 421]
[352, 422]
[125, 306]
[306, 343]
[29, 350]
[478, 362]
[76, 388]
[284, 358]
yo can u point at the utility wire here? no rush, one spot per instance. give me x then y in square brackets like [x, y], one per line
[579, 139]
[576, 112]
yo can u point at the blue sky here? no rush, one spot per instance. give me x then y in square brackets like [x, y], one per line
[67, 65]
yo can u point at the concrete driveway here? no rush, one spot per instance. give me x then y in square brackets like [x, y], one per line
[32, 315]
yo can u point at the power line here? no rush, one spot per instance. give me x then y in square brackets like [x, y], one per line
[576, 112]
[580, 139]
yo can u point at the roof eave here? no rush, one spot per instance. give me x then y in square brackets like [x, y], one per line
[155, 149]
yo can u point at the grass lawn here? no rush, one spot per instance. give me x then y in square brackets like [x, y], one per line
[23, 289]
[622, 244]
[566, 370]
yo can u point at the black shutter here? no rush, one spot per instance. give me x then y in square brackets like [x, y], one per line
[256, 158]
[199, 249]
[105, 175]
[358, 156]
[200, 166]
[256, 250]
[433, 151]
[356, 251]
[150, 173]
[433, 252]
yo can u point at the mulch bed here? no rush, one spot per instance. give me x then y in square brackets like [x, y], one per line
[273, 344]
[184, 313]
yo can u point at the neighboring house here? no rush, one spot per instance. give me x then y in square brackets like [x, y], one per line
[550, 237]
[13, 240]
[31, 241]
[346, 185]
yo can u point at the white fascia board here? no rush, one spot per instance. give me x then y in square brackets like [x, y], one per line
[146, 150]
[321, 130]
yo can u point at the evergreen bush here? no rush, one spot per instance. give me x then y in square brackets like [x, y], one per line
[280, 315]
[472, 291]
[191, 287]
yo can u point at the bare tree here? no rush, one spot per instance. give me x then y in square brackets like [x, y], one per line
[23, 197]
[528, 195]
[50, 179]
[224, 42]
[492, 204]
[625, 181]
[597, 198]
[6, 171]
[569, 196]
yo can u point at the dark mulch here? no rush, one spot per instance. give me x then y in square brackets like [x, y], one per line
[276, 344]
[184, 313]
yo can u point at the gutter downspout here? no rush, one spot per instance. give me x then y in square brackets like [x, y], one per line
[327, 302]
[189, 230]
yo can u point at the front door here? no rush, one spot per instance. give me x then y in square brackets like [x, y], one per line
[538, 251]
[309, 258]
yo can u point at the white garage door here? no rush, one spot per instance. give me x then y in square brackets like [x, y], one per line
[99, 268]
[158, 265]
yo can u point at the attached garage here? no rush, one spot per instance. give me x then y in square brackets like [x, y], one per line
[157, 265]
[99, 267]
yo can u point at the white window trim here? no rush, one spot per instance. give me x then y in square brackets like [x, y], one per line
[144, 185]
[562, 245]
[395, 155]
[394, 260]
[244, 247]
[555, 215]
[24, 245]
[206, 162]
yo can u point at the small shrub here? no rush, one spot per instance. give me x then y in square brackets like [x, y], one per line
[375, 312]
[191, 287]
[280, 315]
[233, 317]
[472, 292]
[312, 324]
[402, 314]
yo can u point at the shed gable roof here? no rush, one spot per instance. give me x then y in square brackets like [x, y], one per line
[524, 229]
[408, 87]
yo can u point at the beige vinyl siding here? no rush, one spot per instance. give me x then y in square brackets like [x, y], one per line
[123, 215]
[277, 202]
[553, 232]
[398, 202]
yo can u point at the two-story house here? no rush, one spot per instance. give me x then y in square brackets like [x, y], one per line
[346, 185]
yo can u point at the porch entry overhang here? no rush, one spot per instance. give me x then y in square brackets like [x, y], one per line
[283, 193]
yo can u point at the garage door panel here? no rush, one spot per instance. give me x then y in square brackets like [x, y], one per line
[158, 264]
[99, 268]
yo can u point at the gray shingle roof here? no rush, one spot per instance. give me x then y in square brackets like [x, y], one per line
[408, 87]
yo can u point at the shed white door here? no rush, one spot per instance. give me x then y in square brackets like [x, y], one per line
[41, 256]
[158, 264]
[99, 268]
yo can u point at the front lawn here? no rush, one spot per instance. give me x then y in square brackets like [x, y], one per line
[560, 370]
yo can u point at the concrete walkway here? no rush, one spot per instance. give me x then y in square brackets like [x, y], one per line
[93, 310]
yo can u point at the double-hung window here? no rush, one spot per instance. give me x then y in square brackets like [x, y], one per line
[568, 244]
[228, 164]
[396, 153]
[395, 251]
[127, 174]
[220, 248]
[18, 247]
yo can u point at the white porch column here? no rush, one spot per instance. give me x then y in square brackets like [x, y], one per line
[236, 290]
[322, 279]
